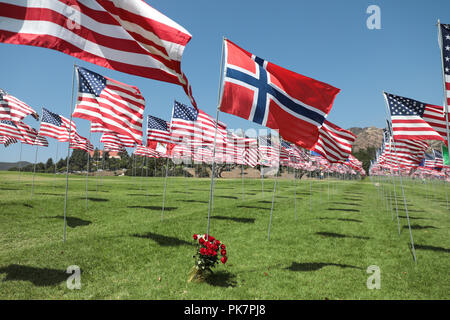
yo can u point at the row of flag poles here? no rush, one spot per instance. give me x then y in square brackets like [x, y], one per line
[404, 149]
[132, 37]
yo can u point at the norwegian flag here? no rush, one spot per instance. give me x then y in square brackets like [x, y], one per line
[192, 126]
[116, 106]
[272, 96]
[127, 36]
[335, 143]
[13, 109]
[56, 126]
[416, 120]
[158, 130]
[6, 141]
[18, 130]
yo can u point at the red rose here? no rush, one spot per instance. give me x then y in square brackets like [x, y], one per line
[214, 253]
[217, 243]
[211, 238]
[223, 252]
[195, 237]
[201, 241]
[222, 246]
[224, 259]
[215, 247]
[202, 251]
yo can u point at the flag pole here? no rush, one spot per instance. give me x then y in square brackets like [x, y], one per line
[445, 94]
[68, 153]
[35, 156]
[213, 167]
[87, 166]
[403, 190]
[275, 186]
[56, 161]
[295, 193]
[165, 188]
[20, 159]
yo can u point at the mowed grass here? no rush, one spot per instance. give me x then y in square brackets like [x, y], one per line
[320, 247]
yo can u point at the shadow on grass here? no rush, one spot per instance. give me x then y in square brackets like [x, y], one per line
[37, 276]
[153, 208]
[51, 194]
[345, 210]
[94, 199]
[222, 279]
[193, 201]
[346, 203]
[432, 248]
[414, 218]
[341, 219]
[338, 235]
[28, 205]
[143, 195]
[419, 227]
[227, 197]
[9, 189]
[253, 207]
[162, 240]
[314, 266]
[241, 220]
[73, 222]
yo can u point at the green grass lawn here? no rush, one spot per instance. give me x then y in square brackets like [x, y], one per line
[126, 252]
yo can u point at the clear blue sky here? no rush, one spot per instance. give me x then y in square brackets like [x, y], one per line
[326, 40]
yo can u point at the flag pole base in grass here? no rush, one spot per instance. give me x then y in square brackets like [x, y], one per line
[198, 275]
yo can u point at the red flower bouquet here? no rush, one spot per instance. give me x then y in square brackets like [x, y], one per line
[209, 252]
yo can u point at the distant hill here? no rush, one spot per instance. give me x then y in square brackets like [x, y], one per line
[8, 165]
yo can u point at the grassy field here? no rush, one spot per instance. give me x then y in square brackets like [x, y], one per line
[321, 250]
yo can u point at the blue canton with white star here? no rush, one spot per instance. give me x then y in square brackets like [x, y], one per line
[184, 112]
[51, 118]
[157, 124]
[90, 82]
[401, 106]
[445, 32]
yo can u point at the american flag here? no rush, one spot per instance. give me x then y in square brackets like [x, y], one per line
[193, 126]
[334, 143]
[127, 36]
[269, 151]
[158, 130]
[111, 147]
[18, 130]
[6, 141]
[79, 142]
[416, 120]
[444, 43]
[40, 141]
[112, 138]
[408, 153]
[146, 152]
[116, 106]
[13, 109]
[56, 126]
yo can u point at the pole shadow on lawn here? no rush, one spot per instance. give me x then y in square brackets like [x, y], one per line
[432, 248]
[345, 210]
[314, 266]
[222, 279]
[241, 220]
[164, 241]
[143, 195]
[153, 208]
[419, 227]
[73, 222]
[338, 235]
[37, 276]
[94, 199]
[193, 201]
[253, 207]
[341, 219]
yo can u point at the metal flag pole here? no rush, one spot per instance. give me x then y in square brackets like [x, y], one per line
[295, 193]
[403, 190]
[68, 153]
[393, 179]
[87, 166]
[20, 159]
[35, 156]
[274, 187]
[445, 94]
[165, 188]
[213, 167]
[56, 161]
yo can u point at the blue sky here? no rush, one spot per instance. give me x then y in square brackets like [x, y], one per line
[326, 40]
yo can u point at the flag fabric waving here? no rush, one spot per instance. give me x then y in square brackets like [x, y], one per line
[416, 120]
[18, 130]
[335, 143]
[158, 130]
[116, 106]
[6, 141]
[444, 43]
[56, 126]
[127, 36]
[272, 96]
[13, 109]
[79, 142]
[111, 138]
[40, 141]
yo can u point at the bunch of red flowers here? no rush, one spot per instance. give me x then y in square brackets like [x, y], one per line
[208, 249]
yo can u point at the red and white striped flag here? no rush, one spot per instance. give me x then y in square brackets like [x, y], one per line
[116, 106]
[6, 141]
[112, 138]
[127, 36]
[335, 143]
[40, 141]
[56, 126]
[13, 109]
[18, 130]
[146, 152]
[79, 142]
